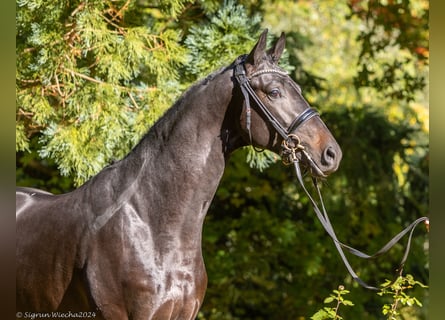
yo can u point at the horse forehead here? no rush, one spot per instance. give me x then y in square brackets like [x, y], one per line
[270, 75]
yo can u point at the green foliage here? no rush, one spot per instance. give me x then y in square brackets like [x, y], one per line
[91, 79]
[333, 312]
[260, 159]
[215, 44]
[394, 40]
[88, 82]
[398, 291]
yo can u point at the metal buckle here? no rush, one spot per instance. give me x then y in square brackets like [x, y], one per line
[290, 147]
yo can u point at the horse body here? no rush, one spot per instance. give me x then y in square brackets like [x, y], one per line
[133, 226]
[127, 244]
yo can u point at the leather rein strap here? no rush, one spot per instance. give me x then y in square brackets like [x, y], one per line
[325, 222]
[287, 135]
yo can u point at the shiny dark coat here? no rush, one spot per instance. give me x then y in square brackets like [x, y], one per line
[127, 244]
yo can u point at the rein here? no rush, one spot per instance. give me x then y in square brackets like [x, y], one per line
[326, 223]
[291, 146]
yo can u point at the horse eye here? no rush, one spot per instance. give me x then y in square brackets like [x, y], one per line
[274, 93]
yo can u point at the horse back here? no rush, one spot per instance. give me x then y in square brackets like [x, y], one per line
[47, 248]
[26, 196]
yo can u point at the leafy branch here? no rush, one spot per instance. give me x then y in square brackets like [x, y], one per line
[333, 312]
[396, 289]
[400, 297]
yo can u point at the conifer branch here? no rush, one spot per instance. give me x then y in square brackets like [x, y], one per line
[128, 89]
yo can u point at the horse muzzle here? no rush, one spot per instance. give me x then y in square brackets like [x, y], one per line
[292, 150]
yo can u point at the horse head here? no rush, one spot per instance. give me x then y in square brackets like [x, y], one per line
[276, 116]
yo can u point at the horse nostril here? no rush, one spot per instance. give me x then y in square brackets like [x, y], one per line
[329, 155]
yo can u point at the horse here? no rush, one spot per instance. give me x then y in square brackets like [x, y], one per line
[127, 243]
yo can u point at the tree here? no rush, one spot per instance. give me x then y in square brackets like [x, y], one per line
[93, 76]
[399, 26]
[89, 80]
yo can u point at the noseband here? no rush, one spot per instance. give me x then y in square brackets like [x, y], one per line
[291, 145]
[289, 138]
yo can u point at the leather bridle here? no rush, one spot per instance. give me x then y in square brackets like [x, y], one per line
[291, 146]
[248, 92]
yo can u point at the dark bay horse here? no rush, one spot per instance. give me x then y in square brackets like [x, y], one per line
[127, 244]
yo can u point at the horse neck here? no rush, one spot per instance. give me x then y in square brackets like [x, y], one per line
[170, 178]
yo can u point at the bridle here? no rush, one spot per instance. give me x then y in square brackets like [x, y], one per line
[291, 146]
[289, 138]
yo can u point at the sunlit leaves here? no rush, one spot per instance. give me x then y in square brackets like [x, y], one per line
[400, 293]
[225, 37]
[87, 80]
[394, 34]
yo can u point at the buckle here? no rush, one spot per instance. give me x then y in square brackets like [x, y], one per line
[289, 150]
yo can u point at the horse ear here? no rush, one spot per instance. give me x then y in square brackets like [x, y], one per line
[275, 52]
[257, 53]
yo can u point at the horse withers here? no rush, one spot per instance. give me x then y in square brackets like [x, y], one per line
[127, 243]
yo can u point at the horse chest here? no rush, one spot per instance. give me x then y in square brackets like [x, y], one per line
[171, 269]
[179, 295]
[157, 277]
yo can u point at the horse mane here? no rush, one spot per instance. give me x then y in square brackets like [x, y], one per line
[163, 125]
[156, 136]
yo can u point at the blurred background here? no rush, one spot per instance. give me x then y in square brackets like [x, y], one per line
[92, 76]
